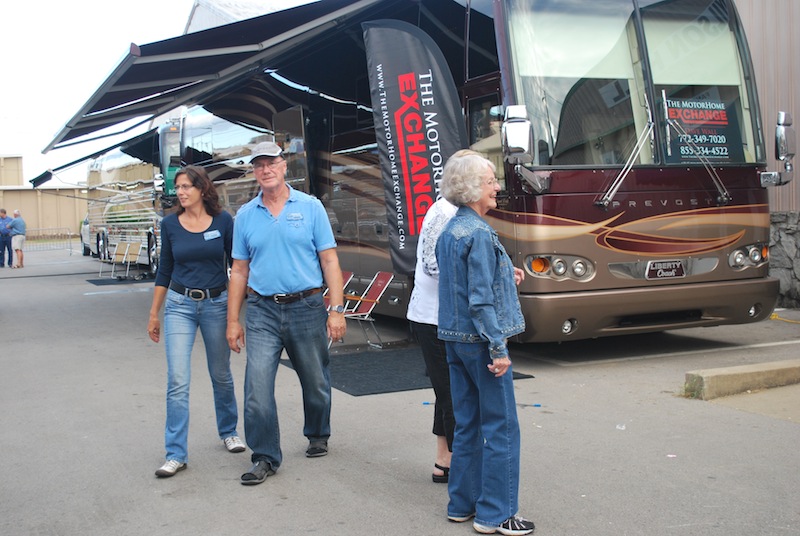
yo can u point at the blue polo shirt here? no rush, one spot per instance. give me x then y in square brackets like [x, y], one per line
[17, 227]
[5, 231]
[283, 252]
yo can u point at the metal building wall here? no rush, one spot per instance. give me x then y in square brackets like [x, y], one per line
[773, 32]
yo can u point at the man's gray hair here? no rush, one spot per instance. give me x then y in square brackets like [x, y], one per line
[462, 178]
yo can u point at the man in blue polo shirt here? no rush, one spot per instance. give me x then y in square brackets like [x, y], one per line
[283, 251]
[18, 229]
[5, 240]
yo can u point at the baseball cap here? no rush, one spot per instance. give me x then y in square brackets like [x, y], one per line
[266, 148]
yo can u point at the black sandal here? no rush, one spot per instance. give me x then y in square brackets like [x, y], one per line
[258, 473]
[441, 479]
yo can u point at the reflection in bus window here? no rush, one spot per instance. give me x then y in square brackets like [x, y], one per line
[484, 121]
[219, 145]
[482, 56]
[581, 83]
[290, 135]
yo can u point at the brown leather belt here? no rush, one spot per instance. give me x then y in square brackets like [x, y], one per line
[283, 299]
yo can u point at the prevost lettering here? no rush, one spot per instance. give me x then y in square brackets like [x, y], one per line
[649, 203]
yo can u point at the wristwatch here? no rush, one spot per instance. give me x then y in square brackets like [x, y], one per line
[337, 308]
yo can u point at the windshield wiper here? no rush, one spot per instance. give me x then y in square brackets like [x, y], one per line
[609, 194]
[723, 197]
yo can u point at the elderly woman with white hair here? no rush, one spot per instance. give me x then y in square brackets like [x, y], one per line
[478, 310]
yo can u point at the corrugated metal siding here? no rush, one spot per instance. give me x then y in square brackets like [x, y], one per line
[773, 33]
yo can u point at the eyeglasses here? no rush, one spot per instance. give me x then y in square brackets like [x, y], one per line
[492, 181]
[184, 187]
[264, 164]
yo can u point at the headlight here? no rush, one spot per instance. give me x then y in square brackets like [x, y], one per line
[563, 267]
[749, 255]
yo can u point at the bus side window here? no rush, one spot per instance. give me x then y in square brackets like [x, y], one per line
[484, 120]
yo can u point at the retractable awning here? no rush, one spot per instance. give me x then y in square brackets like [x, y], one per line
[141, 147]
[155, 78]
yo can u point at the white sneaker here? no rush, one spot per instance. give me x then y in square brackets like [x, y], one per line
[169, 468]
[234, 444]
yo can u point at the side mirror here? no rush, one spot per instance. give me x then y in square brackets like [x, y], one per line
[158, 183]
[785, 140]
[785, 147]
[517, 136]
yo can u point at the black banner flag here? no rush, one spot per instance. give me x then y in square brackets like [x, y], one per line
[418, 125]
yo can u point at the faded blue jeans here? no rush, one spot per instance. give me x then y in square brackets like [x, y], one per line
[484, 470]
[5, 246]
[182, 317]
[300, 329]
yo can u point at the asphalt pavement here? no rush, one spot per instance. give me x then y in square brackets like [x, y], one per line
[611, 443]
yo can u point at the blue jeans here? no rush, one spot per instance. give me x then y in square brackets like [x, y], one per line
[484, 470]
[300, 329]
[182, 317]
[5, 246]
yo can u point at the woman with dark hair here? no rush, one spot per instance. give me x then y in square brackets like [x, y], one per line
[478, 311]
[193, 279]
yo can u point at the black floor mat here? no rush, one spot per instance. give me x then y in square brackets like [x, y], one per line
[381, 371]
[115, 281]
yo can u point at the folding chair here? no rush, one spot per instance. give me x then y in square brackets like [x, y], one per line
[131, 256]
[360, 308]
[346, 278]
[117, 257]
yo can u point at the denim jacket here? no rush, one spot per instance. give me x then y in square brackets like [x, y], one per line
[478, 299]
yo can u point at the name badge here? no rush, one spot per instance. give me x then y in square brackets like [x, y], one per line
[211, 235]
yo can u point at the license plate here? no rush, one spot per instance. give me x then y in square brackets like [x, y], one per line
[665, 270]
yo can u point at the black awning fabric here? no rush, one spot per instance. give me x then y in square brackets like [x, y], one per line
[158, 77]
[141, 147]
[41, 179]
[144, 147]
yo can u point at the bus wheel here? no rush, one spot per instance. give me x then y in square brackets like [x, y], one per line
[102, 246]
[152, 254]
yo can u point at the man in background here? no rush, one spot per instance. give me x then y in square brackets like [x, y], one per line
[17, 228]
[5, 240]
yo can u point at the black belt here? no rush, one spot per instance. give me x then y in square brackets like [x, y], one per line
[197, 294]
[283, 299]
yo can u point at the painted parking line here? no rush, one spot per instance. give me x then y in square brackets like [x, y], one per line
[562, 363]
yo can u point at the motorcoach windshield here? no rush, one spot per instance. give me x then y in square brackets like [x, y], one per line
[603, 82]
